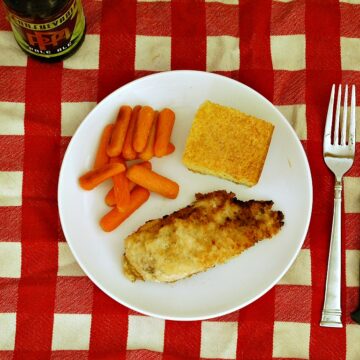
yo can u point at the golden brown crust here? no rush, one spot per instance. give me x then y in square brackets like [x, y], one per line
[210, 231]
[227, 143]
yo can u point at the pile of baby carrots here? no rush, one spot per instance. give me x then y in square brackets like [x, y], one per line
[139, 133]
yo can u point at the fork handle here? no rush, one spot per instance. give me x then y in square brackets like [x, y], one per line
[331, 314]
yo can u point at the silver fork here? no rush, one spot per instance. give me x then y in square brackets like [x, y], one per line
[339, 156]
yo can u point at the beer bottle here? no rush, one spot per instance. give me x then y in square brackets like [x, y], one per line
[48, 30]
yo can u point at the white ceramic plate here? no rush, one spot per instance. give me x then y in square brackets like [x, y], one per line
[285, 179]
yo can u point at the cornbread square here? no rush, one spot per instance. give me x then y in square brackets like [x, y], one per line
[227, 143]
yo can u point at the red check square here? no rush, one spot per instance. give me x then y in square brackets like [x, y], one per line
[12, 153]
[74, 295]
[85, 88]
[349, 20]
[10, 229]
[288, 18]
[92, 10]
[293, 303]
[12, 84]
[153, 19]
[8, 295]
[222, 19]
[352, 303]
[289, 87]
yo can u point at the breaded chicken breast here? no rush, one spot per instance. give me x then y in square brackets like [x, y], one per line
[213, 229]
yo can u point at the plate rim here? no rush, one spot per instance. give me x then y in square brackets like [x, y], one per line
[235, 308]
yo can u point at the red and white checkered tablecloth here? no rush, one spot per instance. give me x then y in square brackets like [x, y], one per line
[291, 52]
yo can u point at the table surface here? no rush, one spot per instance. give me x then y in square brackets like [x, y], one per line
[289, 51]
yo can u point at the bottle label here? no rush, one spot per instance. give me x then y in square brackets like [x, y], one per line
[50, 38]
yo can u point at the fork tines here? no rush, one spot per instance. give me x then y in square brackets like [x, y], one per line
[347, 128]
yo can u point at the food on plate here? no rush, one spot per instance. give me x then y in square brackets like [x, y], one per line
[95, 177]
[115, 217]
[102, 157]
[227, 143]
[121, 187]
[170, 149]
[110, 196]
[165, 125]
[117, 139]
[143, 125]
[213, 229]
[152, 181]
[148, 151]
[128, 151]
[132, 137]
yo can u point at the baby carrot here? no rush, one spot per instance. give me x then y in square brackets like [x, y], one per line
[121, 187]
[145, 164]
[95, 177]
[128, 151]
[166, 122]
[152, 181]
[115, 217]
[148, 152]
[102, 157]
[142, 128]
[170, 149]
[110, 196]
[119, 131]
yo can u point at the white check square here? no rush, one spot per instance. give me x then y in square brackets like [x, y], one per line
[12, 118]
[153, 53]
[296, 115]
[300, 271]
[352, 259]
[10, 54]
[71, 332]
[11, 188]
[72, 115]
[291, 340]
[10, 259]
[87, 57]
[350, 53]
[351, 194]
[352, 342]
[7, 331]
[351, 1]
[145, 332]
[288, 52]
[67, 265]
[223, 53]
[218, 340]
